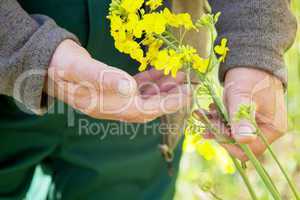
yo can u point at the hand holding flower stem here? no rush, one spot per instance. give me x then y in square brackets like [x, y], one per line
[146, 37]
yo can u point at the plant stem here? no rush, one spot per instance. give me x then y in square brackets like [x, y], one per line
[245, 178]
[219, 104]
[271, 180]
[167, 42]
[290, 183]
[182, 37]
[260, 170]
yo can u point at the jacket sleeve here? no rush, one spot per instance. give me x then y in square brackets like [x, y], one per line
[26, 47]
[259, 33]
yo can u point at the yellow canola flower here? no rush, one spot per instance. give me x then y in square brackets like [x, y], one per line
[172, 20]
[143, 64]
[206, 149]
[154, 4]
[190, 56]
[133, 25]
[130, 47]
[131, 6]
[187, 52]
[200, 64]
[183, 19]
[118, 30]
[154, 23]
[222, 50]
[174, 66]
[162, 59]
[153, 49]
[169, 61]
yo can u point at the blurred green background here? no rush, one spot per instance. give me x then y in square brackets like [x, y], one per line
[207, 172]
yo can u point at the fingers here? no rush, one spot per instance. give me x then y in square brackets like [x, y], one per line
[144, 110]
[99, 76]
[165, 84]
[153, 82]
[116, 107]
[151, 75]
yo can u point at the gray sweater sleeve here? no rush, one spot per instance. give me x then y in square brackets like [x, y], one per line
[26, 47]
[259, 33]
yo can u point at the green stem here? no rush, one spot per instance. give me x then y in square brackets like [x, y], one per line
[261, 171]
[171, 36]
[219, 104]
[245, 178]
[182, 37]
[265, 141]
[211, 49]
[167, 42]
[271, 180]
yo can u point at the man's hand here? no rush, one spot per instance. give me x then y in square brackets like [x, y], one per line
[246, 86]
[105, 92]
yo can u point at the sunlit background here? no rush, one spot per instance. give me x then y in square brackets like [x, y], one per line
[207, 172]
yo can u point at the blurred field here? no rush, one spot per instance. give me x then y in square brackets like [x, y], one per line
[202, 179]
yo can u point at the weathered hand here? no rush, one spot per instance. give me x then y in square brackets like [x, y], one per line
[245, 86]
[105, 92]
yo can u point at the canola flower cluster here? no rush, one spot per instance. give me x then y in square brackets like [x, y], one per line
[141, 29]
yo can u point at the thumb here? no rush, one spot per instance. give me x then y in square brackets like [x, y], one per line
[243, 131]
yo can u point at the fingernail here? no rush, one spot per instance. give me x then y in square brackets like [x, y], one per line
[246, 130]
[124, 87]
